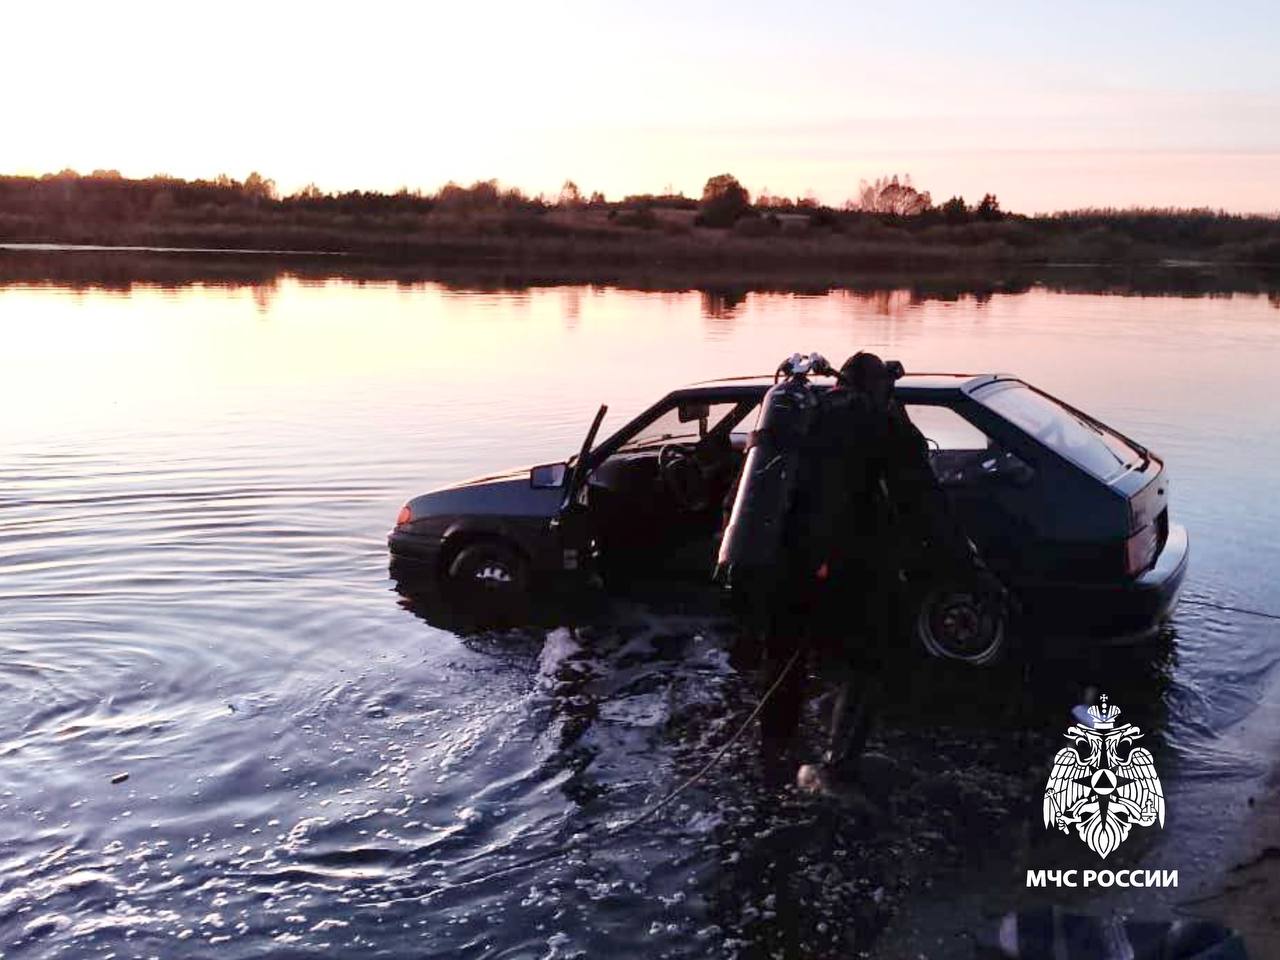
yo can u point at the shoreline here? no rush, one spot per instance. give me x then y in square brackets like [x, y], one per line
[124, 267]
[623, 248]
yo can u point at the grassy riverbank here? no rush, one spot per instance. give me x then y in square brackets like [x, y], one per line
[484, 224]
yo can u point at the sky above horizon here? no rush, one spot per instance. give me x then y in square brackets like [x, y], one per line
[1050, 106]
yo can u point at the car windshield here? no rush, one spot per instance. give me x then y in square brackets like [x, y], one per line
[669, 427]
[1083, 441]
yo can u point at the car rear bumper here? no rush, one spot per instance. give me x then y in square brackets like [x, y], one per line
[1126, 612]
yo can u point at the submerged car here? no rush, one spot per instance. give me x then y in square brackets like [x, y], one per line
[1072, 515]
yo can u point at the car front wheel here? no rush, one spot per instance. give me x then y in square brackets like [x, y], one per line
[954, 623]
[490, 568]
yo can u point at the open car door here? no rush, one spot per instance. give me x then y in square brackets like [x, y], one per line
[571, 522]
[579, 474]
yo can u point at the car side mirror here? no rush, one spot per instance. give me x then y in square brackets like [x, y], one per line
[548, 476]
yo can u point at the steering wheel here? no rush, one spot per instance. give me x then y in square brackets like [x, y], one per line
[682, 477]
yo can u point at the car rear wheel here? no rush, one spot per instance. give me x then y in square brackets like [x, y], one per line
[954, 623]
[490, 569]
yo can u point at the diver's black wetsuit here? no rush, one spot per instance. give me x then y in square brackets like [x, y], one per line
[868, 505]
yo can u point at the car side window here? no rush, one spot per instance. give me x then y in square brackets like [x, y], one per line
[961, 453]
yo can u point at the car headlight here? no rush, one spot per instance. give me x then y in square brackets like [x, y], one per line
[404, 516]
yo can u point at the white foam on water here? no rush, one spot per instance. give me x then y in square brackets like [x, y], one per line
[642, 710]
[703, 823]
[559, 647]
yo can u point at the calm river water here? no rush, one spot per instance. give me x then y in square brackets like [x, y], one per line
[195, 486]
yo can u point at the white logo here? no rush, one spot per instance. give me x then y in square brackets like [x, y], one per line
[1103, 793]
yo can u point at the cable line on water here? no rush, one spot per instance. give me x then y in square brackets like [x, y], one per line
[1226, 606]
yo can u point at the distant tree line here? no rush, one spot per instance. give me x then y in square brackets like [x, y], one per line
[887, 219]
[725, 200]
[894, 202]
[106, 195]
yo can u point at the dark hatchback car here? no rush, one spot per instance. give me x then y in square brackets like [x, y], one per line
[1072, 515]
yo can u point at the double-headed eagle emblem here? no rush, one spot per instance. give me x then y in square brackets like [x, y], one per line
[1097, 789]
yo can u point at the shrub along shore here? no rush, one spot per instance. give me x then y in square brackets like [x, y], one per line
[723, 232]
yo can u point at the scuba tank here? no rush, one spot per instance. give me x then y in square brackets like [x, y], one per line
[753, 545]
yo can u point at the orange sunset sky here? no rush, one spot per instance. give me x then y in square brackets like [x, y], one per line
[1051, 106]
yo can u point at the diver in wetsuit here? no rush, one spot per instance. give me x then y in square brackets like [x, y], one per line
[867, 506]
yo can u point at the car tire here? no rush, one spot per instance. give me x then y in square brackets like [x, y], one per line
[957, 624]
[490, 568]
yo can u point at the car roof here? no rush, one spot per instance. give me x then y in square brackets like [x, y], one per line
[918, 386]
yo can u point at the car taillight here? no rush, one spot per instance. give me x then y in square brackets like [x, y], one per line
[404, 516]
[1140, 549]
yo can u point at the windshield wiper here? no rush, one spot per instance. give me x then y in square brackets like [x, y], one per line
[1092, 426]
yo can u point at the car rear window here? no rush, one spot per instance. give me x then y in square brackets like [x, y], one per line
[1086, 443]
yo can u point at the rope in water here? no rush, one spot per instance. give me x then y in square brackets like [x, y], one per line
[715, 758]
[1230, 609]
[649, 812]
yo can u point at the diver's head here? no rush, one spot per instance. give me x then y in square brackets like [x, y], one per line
[869, 376]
